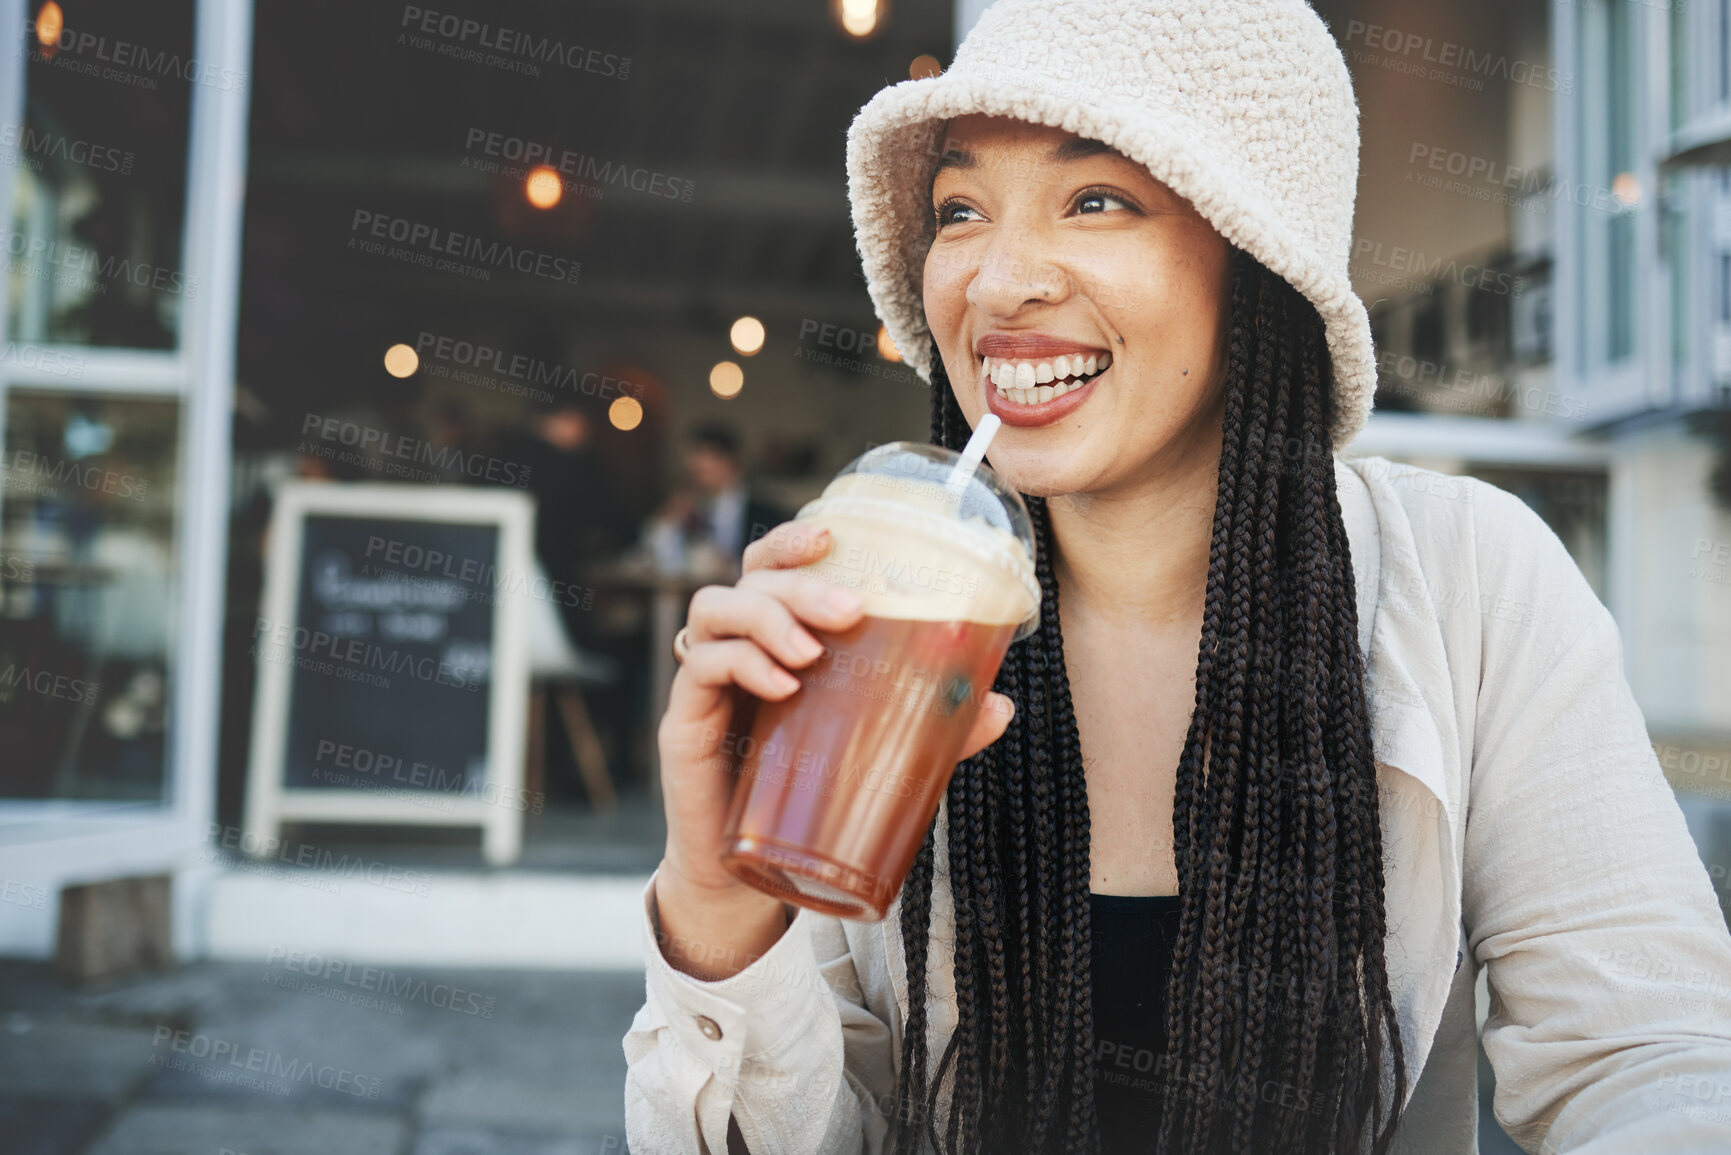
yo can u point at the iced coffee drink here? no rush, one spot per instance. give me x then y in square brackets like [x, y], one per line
[839, 782]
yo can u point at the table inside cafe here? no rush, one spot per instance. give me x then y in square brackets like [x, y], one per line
[666, 583]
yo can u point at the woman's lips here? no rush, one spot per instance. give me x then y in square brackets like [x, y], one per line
[1039, 413]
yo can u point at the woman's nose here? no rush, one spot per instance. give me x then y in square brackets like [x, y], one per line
[1010, 280]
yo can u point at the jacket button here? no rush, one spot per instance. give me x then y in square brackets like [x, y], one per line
[709, 1028]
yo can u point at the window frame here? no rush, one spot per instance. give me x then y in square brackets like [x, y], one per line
[56, 842]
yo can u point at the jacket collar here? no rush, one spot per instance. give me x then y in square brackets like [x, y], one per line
[1406, 671]
[1409, 690]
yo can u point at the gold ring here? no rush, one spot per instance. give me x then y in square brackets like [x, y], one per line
[682, 644]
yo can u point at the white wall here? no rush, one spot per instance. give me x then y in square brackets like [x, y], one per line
[1672, 601]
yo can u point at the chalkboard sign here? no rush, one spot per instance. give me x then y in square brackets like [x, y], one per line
[391, 659]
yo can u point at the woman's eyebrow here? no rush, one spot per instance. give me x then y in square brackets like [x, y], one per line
[954, 157]
[1076, 148]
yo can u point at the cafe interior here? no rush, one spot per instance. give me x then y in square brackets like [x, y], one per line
[716, 339]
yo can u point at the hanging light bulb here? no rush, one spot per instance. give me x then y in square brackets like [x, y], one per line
[542, 187]
[401, 361]
[625, 413]
[726, 379]
[747, 336]
[50, 22]
[859, 18]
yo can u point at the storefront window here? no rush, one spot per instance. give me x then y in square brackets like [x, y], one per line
[95, 284]
[99, 175]
[87, 581]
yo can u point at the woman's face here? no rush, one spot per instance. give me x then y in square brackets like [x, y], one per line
[1055, 256]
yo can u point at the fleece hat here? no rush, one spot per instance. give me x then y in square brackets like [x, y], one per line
[1243, 107]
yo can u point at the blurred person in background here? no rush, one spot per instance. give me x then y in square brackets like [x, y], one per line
[716, 508]
[580, 518]
[582, 523]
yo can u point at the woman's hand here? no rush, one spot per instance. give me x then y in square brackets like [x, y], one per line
[744, 640]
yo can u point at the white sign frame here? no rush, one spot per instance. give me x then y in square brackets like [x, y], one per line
[268, 803]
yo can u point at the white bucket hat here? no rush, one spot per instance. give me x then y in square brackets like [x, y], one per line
[1243, 107]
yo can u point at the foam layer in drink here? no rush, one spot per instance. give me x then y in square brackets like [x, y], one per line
[899, 545]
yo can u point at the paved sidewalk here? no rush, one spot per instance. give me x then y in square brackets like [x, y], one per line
[269, 1059]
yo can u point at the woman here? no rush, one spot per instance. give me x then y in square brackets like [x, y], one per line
[1296, 738]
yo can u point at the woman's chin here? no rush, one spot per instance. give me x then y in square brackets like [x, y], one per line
[1039, 474]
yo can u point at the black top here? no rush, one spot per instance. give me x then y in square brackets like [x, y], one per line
[1133, 939]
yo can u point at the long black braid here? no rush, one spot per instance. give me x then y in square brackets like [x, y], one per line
[1279, 982]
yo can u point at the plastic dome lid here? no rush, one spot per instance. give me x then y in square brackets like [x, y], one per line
[924, 548]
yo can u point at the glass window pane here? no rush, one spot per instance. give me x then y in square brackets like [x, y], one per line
[1609, 192]
[99, 174]
[1677, 27]
[1620, 155]
[87, 591]
[1723, 44]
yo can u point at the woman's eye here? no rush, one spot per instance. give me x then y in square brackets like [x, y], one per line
[1099, 202]
[952, 212]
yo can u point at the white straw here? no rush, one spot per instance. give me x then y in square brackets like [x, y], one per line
[963, 472]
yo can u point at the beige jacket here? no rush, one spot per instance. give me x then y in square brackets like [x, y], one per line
[1527, 829]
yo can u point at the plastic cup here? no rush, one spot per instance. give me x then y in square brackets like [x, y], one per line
[839, 782]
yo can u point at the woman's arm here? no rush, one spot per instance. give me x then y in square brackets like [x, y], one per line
[751, 1019]
[1609, 960]
[746, 1011]
[781, 1057]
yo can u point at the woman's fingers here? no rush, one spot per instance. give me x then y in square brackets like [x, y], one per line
[748, 635]
[823, 604]
[768, 607]
[731, 612]
[739, 662]
[990, 724]
[792, 543]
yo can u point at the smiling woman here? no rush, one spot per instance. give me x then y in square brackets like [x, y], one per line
[1208, 885]
[1213, 364]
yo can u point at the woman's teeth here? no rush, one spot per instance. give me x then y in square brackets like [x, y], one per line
[1033, 382]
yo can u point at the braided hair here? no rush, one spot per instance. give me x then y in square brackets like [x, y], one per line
[1278, 970]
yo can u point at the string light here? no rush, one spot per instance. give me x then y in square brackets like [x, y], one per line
[858, 18]
[401, 361]
[726, 379]
[625, 413]
[747, 335]
[543, 187]
[50, 21]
